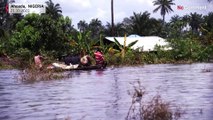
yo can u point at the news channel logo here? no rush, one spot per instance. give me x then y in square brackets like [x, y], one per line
[198, 7]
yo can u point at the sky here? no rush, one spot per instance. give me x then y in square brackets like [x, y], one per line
[89, 9]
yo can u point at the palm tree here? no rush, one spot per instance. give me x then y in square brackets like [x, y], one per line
[195, 21]
[142, 24]
[176, 26]
[208, 21]
[118, 28]
[127, 25]
[54, 10]
[139, 21]
[112, 16]
[96, 28]
[164, 6]
[82, 26]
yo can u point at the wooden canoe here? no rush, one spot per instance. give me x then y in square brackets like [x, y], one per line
[93, 67]
[76, 67]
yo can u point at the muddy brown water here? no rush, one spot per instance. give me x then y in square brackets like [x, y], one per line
[102, 95]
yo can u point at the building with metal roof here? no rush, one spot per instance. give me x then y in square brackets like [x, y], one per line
[145, 43]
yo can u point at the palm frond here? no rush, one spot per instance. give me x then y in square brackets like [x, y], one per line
[156, 9]
[118, 44]
[132, 43]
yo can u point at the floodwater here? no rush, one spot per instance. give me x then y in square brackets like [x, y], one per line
[103, 95]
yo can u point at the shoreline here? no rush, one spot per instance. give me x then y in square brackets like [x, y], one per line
[7, 65]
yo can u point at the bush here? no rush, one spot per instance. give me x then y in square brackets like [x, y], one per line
[154, 109]
[24, 53]
[189, 49]
[41, 33]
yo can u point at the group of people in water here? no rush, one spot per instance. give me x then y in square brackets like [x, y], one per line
[82, 61]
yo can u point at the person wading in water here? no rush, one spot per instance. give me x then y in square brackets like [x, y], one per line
[38, 60]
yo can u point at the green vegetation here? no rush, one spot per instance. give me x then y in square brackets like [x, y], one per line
[53, 35]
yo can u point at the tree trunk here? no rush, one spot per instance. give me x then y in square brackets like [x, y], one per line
[163, 19]
[112, 16]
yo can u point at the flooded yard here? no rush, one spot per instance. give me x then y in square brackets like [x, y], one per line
[102, 94]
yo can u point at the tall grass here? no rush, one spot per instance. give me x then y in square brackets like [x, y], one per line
[33, 74]
[154, 109]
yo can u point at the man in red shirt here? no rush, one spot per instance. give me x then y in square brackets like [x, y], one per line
[99, 58]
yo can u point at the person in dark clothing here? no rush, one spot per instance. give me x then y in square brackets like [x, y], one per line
[72, 60]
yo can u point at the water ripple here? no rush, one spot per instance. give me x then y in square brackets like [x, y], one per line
[103, 94]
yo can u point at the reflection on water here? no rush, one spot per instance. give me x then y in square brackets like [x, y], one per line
[102, 95]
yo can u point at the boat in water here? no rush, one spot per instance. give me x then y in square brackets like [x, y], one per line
[75, 67]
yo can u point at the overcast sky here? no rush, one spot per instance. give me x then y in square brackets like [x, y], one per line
[88, 9]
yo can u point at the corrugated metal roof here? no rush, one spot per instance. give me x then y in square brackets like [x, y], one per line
[146, 43]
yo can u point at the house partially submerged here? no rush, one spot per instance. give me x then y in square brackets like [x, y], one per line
[145, 43]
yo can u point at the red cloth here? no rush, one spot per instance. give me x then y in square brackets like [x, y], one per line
[99, 58]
